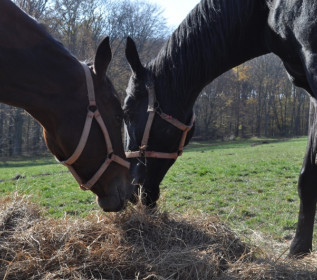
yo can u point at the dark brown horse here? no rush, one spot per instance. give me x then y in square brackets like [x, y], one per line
[216, 36]
[76, 105]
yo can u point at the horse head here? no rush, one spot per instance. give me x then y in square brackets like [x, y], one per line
[96, 159]
[165, 135]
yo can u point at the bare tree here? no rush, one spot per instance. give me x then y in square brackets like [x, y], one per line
[78, 24]
[35, 8]
[141, 20]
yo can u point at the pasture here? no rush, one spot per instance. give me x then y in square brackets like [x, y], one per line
[250, 185]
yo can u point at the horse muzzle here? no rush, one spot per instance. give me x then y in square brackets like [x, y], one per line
[138, 173]
[118, 192]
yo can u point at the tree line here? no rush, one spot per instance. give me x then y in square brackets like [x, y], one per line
[253, 99]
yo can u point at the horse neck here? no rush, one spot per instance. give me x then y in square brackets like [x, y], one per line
[216, 36]
[36, 72]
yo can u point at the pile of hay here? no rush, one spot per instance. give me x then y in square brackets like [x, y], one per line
[132, 245]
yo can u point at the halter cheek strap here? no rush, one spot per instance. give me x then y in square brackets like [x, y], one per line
[153, 110]
[93, 113]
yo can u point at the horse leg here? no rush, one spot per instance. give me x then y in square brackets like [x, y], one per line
[302, 243]
[307, 190]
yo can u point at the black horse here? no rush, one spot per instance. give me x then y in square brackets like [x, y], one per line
[216, 36]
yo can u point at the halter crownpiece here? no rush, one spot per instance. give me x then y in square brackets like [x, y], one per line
[153, 110]
[93, 113]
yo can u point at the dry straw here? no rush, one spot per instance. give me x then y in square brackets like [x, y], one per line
[133, 244]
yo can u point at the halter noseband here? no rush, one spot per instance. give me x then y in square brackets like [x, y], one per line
[153, 109]
[93, 112]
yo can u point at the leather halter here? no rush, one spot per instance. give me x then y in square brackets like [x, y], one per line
[154, 109]
[93, 112]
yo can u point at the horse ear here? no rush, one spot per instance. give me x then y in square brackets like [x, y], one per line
[133, 58]
[102, 58]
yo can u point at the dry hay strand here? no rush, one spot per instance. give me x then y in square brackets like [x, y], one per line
[132, 244]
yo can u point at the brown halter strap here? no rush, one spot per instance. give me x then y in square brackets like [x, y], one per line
[152, 109]
[93, 112]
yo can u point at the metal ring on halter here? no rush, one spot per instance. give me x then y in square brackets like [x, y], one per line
[92, 108]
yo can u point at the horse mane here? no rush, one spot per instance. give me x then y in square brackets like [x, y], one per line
[204, 37]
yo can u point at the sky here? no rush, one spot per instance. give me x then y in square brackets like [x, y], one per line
[175, 10]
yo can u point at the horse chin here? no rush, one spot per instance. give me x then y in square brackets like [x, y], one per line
[116, 197]
[111, 204]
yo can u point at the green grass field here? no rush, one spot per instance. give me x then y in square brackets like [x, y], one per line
[250, 185]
